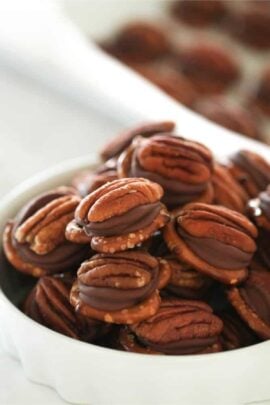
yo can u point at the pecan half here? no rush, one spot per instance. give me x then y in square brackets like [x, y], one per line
[252, 302]
[180, 327]
[251, 171]
[35, 243]
[215, 240]
[120, 142]
[119, 288]
[182, 167]
[48, 304]
[227, 191]
[122, 214]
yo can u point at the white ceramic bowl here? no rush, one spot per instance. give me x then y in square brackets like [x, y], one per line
[87, 374]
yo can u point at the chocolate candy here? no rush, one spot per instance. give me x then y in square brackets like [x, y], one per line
[214, 240]
[182, 167]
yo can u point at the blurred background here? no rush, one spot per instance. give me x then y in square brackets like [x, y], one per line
[212, 56]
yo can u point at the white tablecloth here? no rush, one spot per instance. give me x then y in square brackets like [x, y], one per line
[38, 128]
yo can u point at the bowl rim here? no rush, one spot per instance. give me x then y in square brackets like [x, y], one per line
[68, 168]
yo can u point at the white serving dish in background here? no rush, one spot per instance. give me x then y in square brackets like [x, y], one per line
[86, 374]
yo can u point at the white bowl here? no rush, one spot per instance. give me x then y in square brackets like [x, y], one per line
[87, 374]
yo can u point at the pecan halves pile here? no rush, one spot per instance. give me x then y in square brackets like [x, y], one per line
[118, 288]
[214, 240]
[259, 210]
[35, 243]
[252, 302]
[122, 214]
[48, 304]
[251, 170]
[119, 143]
[182, 167]
[180, 327]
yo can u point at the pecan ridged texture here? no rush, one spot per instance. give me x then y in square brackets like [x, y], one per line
[118, 288]
[35, 242]
[48, 304]
[182, 167]
[215, 240]
[180, 327]
[122, 214]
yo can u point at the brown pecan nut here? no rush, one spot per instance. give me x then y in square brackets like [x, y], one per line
[229, 115]
[48, 304]
[119, 288]
[251, 171]
[198, 13]
[227, 191]
[252, 302]
[180, 327]
[235, 332]
[210, 68]
[182, 167]
[88, 181]
[141, 41]
[34, 242]
[214, 240]
[122, 214]
[129, 343]
[259, 209]
[186, 282]
[120, 142]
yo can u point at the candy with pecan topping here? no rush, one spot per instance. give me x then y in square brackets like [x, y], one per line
[180, 327]
[252, 302]
[34, 242]
[182, 167]
[227, 191]
[209, 67]
[119, 288]
[48, 304]
[251, 170]
[122, 214]
[120, 142]
[214, 240]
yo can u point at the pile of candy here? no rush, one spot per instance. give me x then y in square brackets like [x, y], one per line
[161, 250]
[211, 55]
